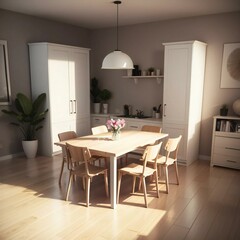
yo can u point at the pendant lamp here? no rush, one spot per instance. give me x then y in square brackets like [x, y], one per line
[117, 59]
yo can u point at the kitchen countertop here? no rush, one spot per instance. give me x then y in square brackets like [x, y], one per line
[110, 115]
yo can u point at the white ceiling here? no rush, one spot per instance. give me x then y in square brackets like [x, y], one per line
[102, 13]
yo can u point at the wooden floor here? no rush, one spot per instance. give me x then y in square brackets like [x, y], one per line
[206, 205]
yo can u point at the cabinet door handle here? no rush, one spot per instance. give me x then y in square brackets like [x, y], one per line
[164, 109]
[231, 161]
[133, 126]
[75, 106]
[71, 107]
[236, 149]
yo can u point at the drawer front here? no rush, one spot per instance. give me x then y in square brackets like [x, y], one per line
[133, 125]
[227, 146]
[96, 121]
[226, 161]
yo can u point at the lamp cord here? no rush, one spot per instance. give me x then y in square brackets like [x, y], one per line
[117, 2]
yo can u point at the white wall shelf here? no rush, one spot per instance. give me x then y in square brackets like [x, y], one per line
[136, 78]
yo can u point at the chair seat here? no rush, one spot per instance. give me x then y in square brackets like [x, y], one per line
[137, 170]
[93, 170]
[161, 160]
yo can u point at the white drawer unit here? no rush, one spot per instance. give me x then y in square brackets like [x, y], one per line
[98, 120]
[226, 143]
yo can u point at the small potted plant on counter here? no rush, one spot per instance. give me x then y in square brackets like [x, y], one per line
[95, 93]
[154, 111]
[28, 116]
[158, 112]
[105, 95]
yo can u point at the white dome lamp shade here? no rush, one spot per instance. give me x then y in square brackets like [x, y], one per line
[117, 59]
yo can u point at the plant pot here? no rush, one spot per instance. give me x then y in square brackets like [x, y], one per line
[105, 108]
[96, 107]
[157, 115]
[223, 112]
[30, 148]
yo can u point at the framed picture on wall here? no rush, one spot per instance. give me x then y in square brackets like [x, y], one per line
[230, 77]
[5, 91]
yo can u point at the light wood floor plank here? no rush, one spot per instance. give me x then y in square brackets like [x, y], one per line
[206, 205]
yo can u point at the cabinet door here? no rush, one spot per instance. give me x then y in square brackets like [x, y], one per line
[176, 77]
[79, 82]
[58, 84]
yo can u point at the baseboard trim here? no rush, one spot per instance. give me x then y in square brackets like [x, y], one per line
[204, 157]
[7, 157]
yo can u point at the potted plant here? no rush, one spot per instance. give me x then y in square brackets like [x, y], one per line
[224, 110]
[154, 111]
[95, 93]
[151, 71]
[105, 95]
[158, 112]
[28, 116]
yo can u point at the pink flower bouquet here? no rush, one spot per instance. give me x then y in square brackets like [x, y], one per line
[115, 125]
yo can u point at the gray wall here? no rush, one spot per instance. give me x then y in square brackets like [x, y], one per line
[143, 43]
[19, 30]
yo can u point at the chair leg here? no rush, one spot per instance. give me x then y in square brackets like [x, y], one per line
[134, 183]
[166, 178]
[126, 158]
[176, 169]
[69, 185]
[119, 185]
[61, 172]
[156, 181]
[105, 161]
[145, 191]
[88, 182]
[106, 182]
[140, 184]
[83, 183]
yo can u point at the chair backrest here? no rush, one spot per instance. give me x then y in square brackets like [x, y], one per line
[77, 156]
[67, 135]
[172, 146]
[151, 154]
[99, 129]
[149, 128]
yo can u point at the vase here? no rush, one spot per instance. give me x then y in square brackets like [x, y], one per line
[115, 136]
[30, 148]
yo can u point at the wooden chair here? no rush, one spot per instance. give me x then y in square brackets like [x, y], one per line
[98, 130]
[140, 150]
[170, 158]
[63, 137]
[142, 171]
[79, 164]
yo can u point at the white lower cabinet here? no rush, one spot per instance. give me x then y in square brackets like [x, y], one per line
[97, 120]
[226, 142]
[131, 124]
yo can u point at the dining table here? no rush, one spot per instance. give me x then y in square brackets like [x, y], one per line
[103, 145]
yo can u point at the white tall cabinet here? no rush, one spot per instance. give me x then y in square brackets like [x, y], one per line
[62, 72]
[184, 66]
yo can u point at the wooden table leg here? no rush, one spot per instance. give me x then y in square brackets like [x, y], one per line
[113, 181]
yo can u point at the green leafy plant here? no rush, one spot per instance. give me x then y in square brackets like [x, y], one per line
[159, 108]
[95, 91]
[28, 115]
[105, 95]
